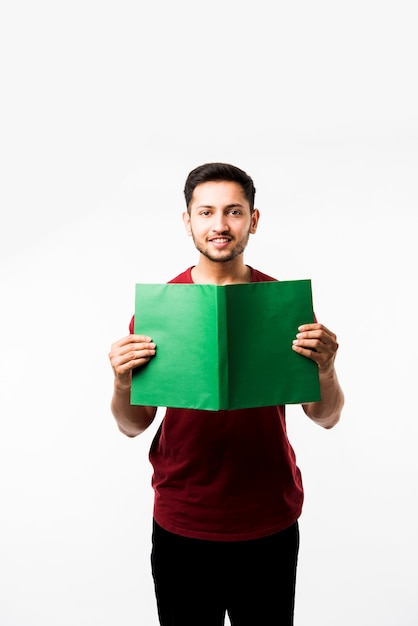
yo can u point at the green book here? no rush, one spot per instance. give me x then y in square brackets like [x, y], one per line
[224, 347]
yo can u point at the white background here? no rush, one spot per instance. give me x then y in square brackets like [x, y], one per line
[105, 108]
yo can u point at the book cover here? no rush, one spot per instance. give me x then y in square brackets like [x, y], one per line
[224, 347]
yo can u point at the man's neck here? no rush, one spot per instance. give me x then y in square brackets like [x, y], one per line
[207, 272]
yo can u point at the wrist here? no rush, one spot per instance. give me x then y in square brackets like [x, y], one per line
[327, 372]
[122, 386]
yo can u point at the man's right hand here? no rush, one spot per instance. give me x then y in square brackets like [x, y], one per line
[128, 353]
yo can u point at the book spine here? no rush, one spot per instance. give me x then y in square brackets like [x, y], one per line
[222, 325]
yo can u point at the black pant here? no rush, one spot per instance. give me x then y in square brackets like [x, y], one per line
[197, 582]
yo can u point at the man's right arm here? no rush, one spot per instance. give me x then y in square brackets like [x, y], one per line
[125, 355]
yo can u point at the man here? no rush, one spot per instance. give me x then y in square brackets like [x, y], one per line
[228, 492]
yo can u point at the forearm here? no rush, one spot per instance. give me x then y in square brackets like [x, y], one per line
[131, 419]
[327, 411]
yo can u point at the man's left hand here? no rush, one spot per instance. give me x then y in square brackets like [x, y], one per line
[318, 343]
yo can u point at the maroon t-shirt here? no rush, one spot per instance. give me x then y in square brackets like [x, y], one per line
[224, 475]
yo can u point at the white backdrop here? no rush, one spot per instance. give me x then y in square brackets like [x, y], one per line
[106, 107]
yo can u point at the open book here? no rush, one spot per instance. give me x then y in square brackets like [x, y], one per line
[224, 347]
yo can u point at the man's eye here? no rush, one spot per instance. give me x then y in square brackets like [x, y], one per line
[235, 212]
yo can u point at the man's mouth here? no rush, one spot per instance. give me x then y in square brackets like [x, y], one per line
[220, 240]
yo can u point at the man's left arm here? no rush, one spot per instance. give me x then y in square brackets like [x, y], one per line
[316, 342]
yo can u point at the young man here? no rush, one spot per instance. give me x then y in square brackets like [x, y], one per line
[228, 492]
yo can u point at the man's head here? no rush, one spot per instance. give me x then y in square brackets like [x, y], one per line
[219, 172]
[220, 212]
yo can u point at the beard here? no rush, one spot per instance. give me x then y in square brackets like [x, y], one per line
[221, 256]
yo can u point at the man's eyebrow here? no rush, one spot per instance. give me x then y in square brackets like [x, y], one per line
[228, 206]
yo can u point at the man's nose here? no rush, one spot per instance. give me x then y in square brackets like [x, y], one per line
[220, 223]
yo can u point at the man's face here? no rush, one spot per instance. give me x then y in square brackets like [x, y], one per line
[220, 220]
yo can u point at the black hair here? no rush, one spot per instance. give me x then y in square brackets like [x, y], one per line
[219, 172]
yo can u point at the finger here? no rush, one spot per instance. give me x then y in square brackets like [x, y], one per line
[307, 344]
[313, 326]
[322, 359]
[131, 339]
[122, 368]
[321, 335]
[315, 341]
[316, 330]
[133, 352]
[126, 357]
[131, 343]
[134, 349]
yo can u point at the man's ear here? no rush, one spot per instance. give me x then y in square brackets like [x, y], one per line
[255, 216]
[186, 221]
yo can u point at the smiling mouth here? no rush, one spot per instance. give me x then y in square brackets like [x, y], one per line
[220, 240]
